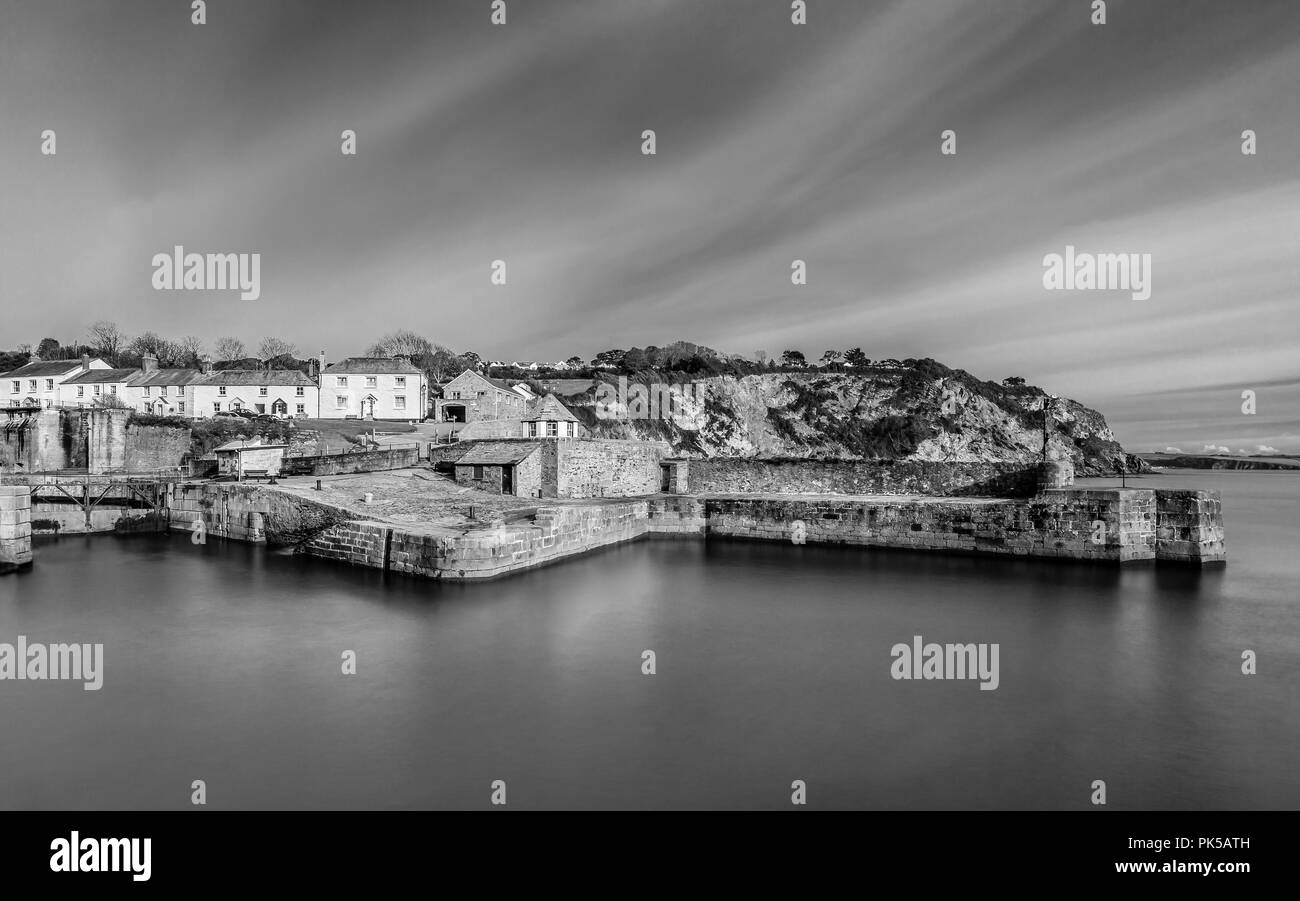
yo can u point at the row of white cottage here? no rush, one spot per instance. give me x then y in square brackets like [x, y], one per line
[354, 388]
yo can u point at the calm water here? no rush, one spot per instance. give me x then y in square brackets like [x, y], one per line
[223, 664]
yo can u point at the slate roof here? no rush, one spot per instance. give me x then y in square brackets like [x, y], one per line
[498, 453]
[53, 367]
[496, 383]
[549, 409]
[254, 444]
[165, 377]
[373, 366]
[287, 377]
[101, 376]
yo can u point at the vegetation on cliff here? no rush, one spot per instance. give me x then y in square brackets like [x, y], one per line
[908, 410]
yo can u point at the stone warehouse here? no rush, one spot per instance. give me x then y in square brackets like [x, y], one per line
[566, 467]
[503, 467]
[473, 397]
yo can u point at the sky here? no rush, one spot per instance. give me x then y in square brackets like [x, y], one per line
[774, 142]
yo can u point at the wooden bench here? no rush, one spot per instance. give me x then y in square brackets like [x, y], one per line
[256, 474]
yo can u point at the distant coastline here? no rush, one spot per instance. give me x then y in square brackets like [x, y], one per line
[1205, 461]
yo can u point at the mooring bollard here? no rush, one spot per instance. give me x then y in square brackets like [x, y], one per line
[370, 497]
[318, 484]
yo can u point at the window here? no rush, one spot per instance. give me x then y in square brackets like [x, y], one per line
[372, 381]
[146, 390]
[221, 390]
[31, 384]
[97, 387]
[399, 402]
[112, 389]
[399, 381]
[478, 473]
[216, 406]
[180, 407]
[81, 391]
[49, 384]
[552, 429]
[341, 402]
[261, 408]
[17, 386]
[262, 391]
[341, 382]
[532, 430]
[302, 408]
[298, 391]
[162, 391]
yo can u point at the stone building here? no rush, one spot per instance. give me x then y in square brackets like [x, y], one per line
[473, 397]
[37, 384]
[373, 388]
[503, 467]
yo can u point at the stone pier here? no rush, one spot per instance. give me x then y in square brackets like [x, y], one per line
[15, 527]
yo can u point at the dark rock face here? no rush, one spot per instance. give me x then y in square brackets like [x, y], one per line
[916, 411]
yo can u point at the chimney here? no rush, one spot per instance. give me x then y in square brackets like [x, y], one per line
[85, 362]
[205, 365]
[149, 363]
[320, 367]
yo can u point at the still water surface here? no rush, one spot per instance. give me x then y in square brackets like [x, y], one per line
[223, 664]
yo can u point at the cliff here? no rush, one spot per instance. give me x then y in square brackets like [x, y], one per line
[922, 411]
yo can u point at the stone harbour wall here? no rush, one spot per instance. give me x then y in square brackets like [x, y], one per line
[1189, 527]
[15, 528]
[360, 461]
[737, 475]
[1113, 525]
[555, 533]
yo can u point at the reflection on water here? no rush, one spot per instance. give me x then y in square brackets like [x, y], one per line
[223, 664]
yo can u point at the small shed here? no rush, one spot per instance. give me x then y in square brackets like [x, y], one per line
[249, 459]
[503, 467]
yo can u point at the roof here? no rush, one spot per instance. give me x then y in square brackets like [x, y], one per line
[288, 377]
[496, 383]
[549, 409]
[165, 377]
[53, 367]
[232, 446]
[101, 376]
[498, 453]
[373, 366]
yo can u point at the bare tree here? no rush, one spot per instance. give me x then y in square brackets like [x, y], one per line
[230, 349]
[151, 344]
[106, 338]
[190, 351]
[275, 347]
[405, 342]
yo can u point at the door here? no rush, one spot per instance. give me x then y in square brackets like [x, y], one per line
[507, 480]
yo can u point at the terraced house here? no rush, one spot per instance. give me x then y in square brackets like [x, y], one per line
[38, 383]
[286, 392]
[373, 388]
[164, 392]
